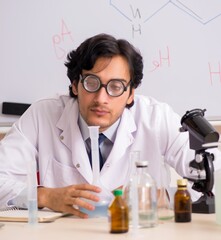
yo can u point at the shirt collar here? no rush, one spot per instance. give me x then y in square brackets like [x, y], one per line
[110, 133]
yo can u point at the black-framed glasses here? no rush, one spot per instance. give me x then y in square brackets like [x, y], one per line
[114, 88]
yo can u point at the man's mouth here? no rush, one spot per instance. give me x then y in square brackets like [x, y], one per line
[99, 111]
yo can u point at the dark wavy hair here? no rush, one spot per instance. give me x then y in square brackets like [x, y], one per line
[103, 45]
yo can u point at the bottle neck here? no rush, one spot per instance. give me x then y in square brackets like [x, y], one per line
[141, 169]
[180, 187]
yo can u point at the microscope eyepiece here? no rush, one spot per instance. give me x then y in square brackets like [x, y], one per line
[201, 132]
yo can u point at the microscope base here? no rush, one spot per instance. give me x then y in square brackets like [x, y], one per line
[205, 204]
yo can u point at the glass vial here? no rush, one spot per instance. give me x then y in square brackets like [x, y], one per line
[118, 213]
[182, 202]
[164, 204]
[142, 198]
[165, 211]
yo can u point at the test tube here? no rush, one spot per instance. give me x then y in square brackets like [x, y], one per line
[32, 193]
[94, 132]
[134, 156]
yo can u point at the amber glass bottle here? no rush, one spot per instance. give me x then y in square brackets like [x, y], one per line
[118, 213]
[182, 202]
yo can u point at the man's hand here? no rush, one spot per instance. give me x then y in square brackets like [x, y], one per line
[68, 199]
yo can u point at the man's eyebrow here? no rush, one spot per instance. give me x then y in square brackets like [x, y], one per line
[121, 79]
[89, 74]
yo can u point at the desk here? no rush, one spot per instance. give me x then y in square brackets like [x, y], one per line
[4, 128]
[202, 227]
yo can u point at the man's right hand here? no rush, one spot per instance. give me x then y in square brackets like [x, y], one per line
[69, 199]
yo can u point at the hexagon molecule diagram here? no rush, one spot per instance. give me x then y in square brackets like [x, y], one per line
[146, 9]
[203, 11]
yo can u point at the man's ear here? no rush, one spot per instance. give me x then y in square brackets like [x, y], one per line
[131, 97]
[74, 88]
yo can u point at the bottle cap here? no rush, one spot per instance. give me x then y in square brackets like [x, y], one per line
[118, 192]
[182, 182]
[141, 163]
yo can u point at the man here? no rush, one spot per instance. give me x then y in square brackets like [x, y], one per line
[104, 73]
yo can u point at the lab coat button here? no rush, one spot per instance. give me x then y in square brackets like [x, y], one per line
[62, 137]
[108, 165]
[78, 165]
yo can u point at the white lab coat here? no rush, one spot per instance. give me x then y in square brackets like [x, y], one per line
[49, 133]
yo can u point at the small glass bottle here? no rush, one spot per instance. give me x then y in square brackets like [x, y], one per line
[118, 213]
[182, 202]
[141, 194]
[165, 211]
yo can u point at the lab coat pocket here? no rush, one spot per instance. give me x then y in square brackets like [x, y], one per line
[61, 175]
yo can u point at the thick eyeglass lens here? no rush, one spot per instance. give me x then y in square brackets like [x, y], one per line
[115, 88]
[91, 83]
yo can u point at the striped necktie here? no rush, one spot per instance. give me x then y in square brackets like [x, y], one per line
[100, 140]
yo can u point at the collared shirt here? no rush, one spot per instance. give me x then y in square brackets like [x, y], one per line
[107, 144]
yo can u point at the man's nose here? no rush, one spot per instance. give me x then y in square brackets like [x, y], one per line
[102, 94]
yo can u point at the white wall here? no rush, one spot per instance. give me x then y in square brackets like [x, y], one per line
[180, 42]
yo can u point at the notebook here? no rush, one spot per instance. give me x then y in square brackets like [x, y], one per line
[21, 215]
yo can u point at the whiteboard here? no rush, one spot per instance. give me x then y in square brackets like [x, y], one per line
[180, 42]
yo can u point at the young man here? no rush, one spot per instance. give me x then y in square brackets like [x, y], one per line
[104, 73]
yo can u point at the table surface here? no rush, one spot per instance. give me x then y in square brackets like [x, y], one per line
[202, 227]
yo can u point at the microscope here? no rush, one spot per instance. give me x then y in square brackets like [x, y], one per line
[202, 136]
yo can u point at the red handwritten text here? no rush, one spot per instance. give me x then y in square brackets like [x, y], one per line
[214, 72]
[162, 58]
[59, 40]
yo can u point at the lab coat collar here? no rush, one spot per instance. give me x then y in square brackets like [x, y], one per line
[124, 137]
[67, 121]
[72, 138]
